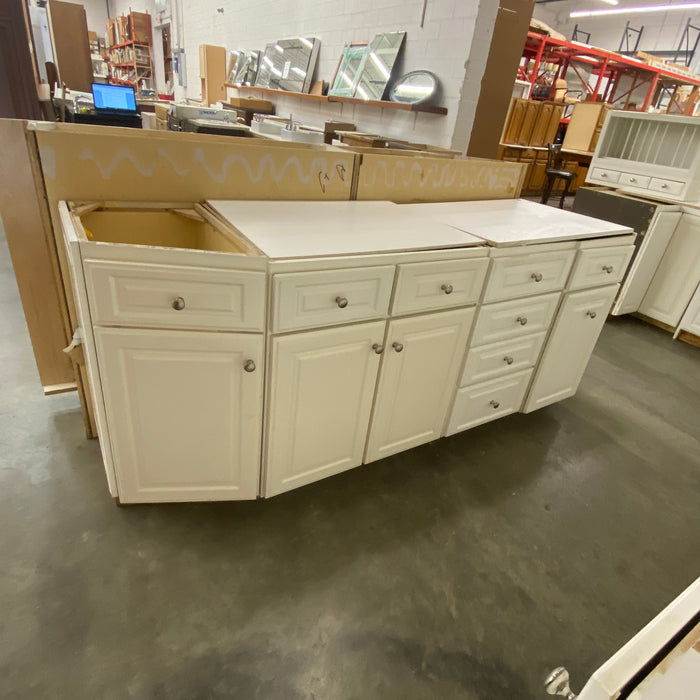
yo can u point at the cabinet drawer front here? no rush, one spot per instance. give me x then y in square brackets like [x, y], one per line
[330, 297]
[597, 266]
[514, 319]
[666, 186]
[605, 174]
[498, 359]
[634, 180]
[524, 275]
[487, 401]
[438, 285]
[167, 296]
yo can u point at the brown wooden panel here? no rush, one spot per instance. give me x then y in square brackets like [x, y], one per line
[529, 118]
[539, 132]
[69, 36]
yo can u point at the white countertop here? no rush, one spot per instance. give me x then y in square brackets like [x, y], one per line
[311, 229]
[510, 222]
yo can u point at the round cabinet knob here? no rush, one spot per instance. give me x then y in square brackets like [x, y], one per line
[664, 186]
[249, 366]
[508, 360]
[603, 174]
[633, 179]
[608, 268]
[341, 301]
[494, 403]
[536, 276]
[178, 303]
[591, 314]
[397, 346]
[557, 683]
[522, 320]
[379, 349]
[447, 288]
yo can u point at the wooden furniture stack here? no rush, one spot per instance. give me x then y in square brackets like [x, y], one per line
[531, 123]
[585, 126]
[130, 41]
[212, 73]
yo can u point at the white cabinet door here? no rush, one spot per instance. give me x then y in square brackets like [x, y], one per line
[421, 364]
[569, 347]
[691, 318]
[321, 390]
[677, 275]
[184, 411]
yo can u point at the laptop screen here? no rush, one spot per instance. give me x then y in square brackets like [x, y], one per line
[114, 97]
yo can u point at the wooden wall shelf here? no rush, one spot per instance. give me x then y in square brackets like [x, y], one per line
[382, 104]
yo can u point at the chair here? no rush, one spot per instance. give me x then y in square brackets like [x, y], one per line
[554, 172]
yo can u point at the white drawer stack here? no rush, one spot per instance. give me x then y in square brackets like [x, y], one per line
[510, 328]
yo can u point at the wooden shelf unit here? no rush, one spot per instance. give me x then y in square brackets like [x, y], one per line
[382, 104]
[131, 60]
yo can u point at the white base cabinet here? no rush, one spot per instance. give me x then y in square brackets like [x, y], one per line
[184, 412]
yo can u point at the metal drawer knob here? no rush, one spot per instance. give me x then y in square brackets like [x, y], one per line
[603, 174]
[633, 179]
[178, 303]
[522, 320]
[608, 268]
[557, 683]
[591, 314]
[397, 346]
[494, 403]
[379, 349]
[536, 276]
[508, 360]
[664, 186]
[249, 366]
[447, 288]
[341, 301]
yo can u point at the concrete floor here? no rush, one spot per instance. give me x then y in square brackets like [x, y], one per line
[463, 569]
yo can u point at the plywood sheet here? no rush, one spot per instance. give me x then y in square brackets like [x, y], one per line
[71, 48]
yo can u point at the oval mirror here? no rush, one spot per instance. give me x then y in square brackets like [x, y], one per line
[416, 87]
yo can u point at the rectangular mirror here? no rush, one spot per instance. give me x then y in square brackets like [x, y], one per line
[289, 64]
[246, 68]
[349, 69]
[376, 72]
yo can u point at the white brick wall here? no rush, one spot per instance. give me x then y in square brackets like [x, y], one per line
[443, 45]
[96, 11]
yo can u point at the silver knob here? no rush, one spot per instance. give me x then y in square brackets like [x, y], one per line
[249, 366]
[591, 314]
[494, 403]
[522, 320]
[664, 186]
[633, 179]
[536, 276]
[397, 346]
[379, 349]
[341, 301]
[608, 268]
[508, 360]
[447, 288]
[557, 683]
[178, 303]
[603, 174]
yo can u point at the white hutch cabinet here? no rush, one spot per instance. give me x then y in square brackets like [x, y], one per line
[243, 349]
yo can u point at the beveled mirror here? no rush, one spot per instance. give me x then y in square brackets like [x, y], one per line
[246, 68]
[417, 87]
[349, 70]
[376, 72]
[289, 64]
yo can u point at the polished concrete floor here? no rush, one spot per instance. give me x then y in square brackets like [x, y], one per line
[463, 569]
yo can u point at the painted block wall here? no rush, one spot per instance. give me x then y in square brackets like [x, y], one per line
[446, 44]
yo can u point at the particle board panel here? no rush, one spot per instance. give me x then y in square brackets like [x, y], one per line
[69, 37]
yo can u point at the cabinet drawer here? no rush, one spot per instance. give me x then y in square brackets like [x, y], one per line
[498, 359]
[330, 297]
[514, 319]
[610, 176]
[438, 285]
[487, 401]
[634, 180]
[524, 275]
[596, 266]
[168, 296]
[666, 186]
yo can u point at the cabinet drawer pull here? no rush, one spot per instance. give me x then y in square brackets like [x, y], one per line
[494, 403]
[603, 174]
[591, 314]
[664, 186]
[522, 320]
[633, 179]
[508, 360]
[536, 276]
[341, 301]
[249, 366]
[379, 349]
[397, 346]
[178, 303]
[447, 288]
[608, 268]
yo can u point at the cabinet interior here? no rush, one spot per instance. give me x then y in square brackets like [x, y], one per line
[165, 228]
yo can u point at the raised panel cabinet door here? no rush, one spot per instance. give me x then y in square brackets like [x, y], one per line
[185, 413]
[421, 364]
[569, 347]
[321, 389]
[691, 318]
[677, 275]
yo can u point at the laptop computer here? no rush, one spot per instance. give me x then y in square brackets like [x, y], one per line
[114, 99]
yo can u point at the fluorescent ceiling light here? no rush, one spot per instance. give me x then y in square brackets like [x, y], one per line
[611, 2]
[306, 42]
[635, 10]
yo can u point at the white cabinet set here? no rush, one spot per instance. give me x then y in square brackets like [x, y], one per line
[243, 349]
